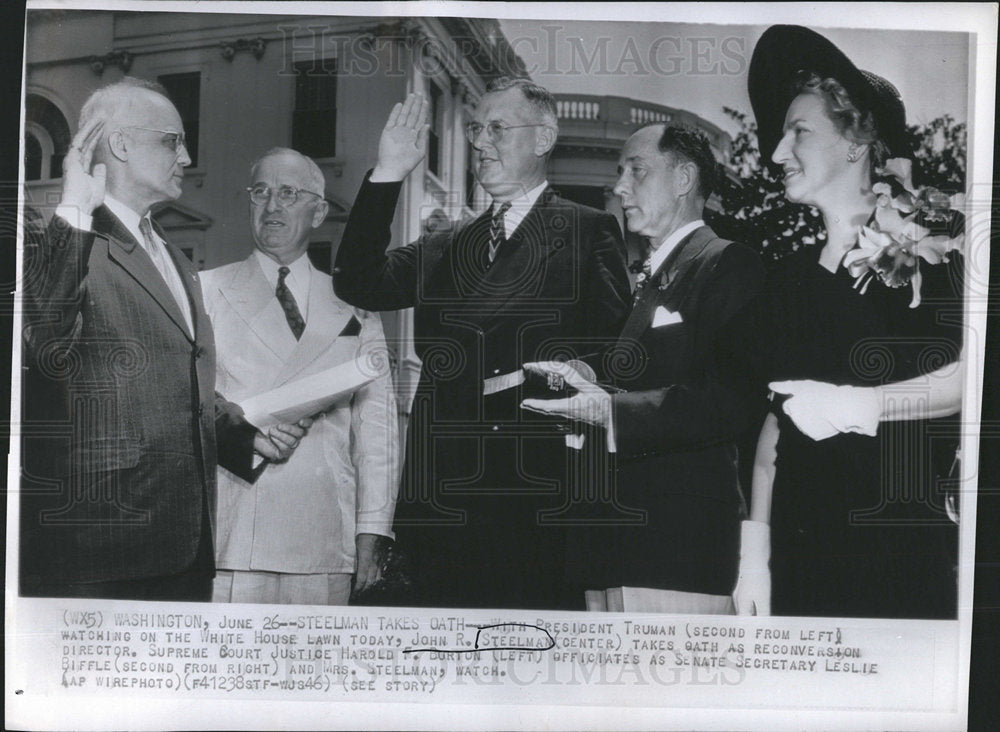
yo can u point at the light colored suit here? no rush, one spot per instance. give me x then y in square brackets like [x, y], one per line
[302, 516]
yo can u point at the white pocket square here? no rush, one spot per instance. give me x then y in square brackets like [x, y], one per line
[662, 317]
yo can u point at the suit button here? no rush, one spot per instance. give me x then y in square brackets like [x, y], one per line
[496, 371]
[199, 351]
[201, 409]
[496, 428]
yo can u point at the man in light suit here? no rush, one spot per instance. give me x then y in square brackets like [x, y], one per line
[299, 533]
[533, 276]
[124, 428]
[675, 424]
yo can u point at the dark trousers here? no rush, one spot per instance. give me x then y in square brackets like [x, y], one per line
[473, 523]
[192, 585]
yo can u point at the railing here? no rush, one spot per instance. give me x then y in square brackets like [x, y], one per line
[609, 109]
[578, 108]
[620, 115]
[648, 113]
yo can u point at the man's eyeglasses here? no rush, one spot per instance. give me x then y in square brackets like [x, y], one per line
[494, 130]
[286, 195]
[174, 140]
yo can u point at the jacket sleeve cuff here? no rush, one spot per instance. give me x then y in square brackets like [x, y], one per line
[235, 446]
[386, 193]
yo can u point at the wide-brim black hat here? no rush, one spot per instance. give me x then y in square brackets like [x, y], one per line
[784, 51]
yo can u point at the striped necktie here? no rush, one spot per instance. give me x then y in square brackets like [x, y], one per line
[497, 236]
[291, 308]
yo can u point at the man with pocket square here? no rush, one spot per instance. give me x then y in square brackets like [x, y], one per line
[674, 425]
[306, 526]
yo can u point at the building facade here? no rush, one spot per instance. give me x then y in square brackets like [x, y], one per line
[246, 83]
[324, 86]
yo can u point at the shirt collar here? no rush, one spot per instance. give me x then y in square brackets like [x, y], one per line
[519, 208]
[129, 218]
[299, 269]
[658, 257]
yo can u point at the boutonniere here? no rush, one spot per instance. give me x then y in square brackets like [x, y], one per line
[909, 225]
[646, 274]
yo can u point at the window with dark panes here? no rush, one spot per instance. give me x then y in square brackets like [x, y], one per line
[436, 130]
[471, 160]
[33, 156]
[314, 119]
[184, 91]
[44, 151]
[320, 253]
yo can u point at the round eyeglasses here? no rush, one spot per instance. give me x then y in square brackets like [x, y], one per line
[494, 130]
[172, 139]
[286, 195]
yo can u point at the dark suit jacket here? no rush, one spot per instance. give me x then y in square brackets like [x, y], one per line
[122, 415]
[677, 425]
[558, 288]
[558, 283]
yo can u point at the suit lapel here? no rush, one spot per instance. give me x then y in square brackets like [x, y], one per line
[249, 294]
[665, 286]
[191, 283]
[327, 318]
[522, 258]
[131, 257]
[679, 262]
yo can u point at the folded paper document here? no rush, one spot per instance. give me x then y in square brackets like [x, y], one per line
[306, 396]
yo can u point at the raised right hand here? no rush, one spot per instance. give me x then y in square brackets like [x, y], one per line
[404, 140]
[83, 188]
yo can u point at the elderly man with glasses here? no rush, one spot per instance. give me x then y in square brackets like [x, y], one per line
[122, 425]
[486, 491]
[300, 532]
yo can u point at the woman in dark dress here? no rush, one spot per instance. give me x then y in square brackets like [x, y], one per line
[852, 465]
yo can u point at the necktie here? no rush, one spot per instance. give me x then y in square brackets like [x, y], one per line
[497, 236]
[167, 271]
[643, 279]
[287, 300]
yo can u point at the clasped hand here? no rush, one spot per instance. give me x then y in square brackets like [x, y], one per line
[279, 441]
[590, 404]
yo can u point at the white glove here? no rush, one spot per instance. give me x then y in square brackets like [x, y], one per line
[752, 595]
[822, 410]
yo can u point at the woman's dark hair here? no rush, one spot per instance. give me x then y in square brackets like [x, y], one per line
[854, 123]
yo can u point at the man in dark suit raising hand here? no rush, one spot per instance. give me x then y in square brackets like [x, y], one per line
[122, 425]
[532, 277]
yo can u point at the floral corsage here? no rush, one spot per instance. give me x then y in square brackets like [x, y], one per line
[908, 225]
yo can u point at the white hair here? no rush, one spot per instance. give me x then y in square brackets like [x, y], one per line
[109, 103]
[317, 181]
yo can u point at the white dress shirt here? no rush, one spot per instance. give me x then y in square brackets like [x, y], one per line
[519, 208]
[660, 254]
[162, 260]
[297, 280]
